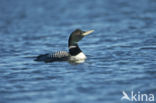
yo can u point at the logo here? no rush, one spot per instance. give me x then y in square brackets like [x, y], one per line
[137, 96]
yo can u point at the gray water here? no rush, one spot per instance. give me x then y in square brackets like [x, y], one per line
[121, 53]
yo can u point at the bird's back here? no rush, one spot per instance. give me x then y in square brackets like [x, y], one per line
[57, 56]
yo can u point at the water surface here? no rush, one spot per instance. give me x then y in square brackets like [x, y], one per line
[121, 52]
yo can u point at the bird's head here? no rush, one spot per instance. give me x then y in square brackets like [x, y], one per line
[77, 35]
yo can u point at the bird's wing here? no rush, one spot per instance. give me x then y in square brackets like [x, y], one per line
[57, 56]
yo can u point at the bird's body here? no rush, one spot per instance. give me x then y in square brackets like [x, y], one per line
[74, 55]
[51, 57]
[79, 58]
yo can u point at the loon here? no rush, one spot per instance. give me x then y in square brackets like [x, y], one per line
[75, 55]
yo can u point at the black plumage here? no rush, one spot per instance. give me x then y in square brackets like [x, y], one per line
[57, 56]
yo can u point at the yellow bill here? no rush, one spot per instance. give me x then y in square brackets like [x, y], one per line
[87, 32]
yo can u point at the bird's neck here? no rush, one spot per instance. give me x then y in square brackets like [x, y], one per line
[74, 48]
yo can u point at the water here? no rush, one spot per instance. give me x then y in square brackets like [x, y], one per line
[121, 52]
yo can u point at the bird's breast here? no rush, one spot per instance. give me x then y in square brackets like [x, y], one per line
[78, 58]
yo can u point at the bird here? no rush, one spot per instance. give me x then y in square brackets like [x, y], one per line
[74, 55]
